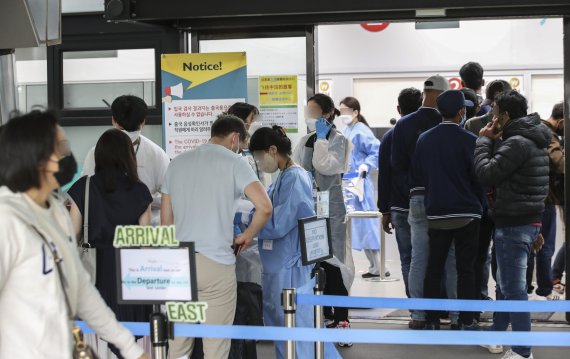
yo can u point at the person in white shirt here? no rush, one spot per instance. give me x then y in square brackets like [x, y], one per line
[35, 229]
[129, 115]
[200, 195]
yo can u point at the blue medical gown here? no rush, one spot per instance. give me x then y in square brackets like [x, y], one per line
[280, 252]
[365, 232]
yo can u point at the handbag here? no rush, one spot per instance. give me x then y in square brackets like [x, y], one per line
[87, 253]
[81, 350]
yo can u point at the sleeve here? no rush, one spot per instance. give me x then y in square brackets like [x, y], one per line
[493, 168]
[385, 174]
[469, 126]
[243, 175]
[164, 188]
[399, 156]
[291, 203]
[92, 309]
[143, 197]
[161, 164]
[298, 152]
[89, 163]
[417, 179]
[9, 244]
[329, 157]
[556, 156]
[77, 193]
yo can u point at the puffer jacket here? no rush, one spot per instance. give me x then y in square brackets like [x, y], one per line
[518, 170]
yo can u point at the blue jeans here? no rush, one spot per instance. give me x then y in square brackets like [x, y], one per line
[544, 256]
[420, 251]
[404, 240]
[513, 247]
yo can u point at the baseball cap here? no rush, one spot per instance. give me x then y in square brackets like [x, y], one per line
[438, 83]
[451, 101]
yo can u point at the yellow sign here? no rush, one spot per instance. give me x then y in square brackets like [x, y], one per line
[145, 236]
[277, 90]
[186, 312]
[201, 68]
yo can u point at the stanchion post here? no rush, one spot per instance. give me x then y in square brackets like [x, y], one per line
[289, 303]
[159, 333]
[320, 280]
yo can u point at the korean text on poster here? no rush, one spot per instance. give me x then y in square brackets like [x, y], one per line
[278, 101]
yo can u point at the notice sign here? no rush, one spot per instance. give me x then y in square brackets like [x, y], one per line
[278, 101]
[196, 88]
[156, 275]
[316, 240]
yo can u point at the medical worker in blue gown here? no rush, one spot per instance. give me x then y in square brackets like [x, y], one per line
[365, 232]
[279, 245]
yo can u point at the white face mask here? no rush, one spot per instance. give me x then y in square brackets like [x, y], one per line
[133, 135]
[269, 164]
[346, 119]
[311, 124]
[254, 127]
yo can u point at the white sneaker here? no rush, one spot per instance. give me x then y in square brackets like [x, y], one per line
[510, 354]
[553, 296]
[493, 349]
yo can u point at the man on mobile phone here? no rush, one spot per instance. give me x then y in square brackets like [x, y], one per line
[518, 168]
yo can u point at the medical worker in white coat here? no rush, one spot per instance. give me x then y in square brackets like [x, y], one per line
[365, 232]
[325, 152]
[279, 244]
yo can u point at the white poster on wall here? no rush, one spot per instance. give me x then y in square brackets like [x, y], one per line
[188, 123]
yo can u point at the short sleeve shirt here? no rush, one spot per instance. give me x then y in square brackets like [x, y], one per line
[204, 186]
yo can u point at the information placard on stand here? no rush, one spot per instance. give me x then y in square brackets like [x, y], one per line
[316, 240]
[148, 275]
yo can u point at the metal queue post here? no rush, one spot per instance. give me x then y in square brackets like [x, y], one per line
[289, 303]
[373, 214]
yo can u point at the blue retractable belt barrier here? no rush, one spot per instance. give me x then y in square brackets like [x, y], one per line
[376, 336]
[435, 304]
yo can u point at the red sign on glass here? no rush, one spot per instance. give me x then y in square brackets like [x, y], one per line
[375, 26]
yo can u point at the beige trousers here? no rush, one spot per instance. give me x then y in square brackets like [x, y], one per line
[217, 286]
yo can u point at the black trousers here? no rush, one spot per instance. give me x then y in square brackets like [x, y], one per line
[466, 240]
[335, 286]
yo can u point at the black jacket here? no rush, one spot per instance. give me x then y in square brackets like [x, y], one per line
[518, 170]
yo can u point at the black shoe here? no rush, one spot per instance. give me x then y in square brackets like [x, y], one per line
[474, 327]
[370, 275]
[417, 324]
[456, 326]
[432, 326]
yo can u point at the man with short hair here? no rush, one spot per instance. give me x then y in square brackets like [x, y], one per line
[406, 133]
[544, 272]
[409, 101]
[443, 169]
[472, 77]
[494, 88]
[129, 115]
[517, 168]
[200, 195]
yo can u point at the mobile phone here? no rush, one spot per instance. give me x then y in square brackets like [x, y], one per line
[502, 120]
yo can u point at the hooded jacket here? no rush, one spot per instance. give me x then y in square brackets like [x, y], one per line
[518, 170]
[35, 322]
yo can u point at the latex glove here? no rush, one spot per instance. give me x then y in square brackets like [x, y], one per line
[362, 170]
[323, 129]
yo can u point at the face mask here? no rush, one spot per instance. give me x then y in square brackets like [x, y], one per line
[67, 170]
[254, 127]
[346, 119]
[133, 135]
[269, 164]
[311, 124]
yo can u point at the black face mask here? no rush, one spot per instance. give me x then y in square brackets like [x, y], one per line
[560, 130]
[67, 170]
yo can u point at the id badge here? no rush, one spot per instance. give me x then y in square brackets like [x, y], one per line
[268, 245]
[323, 204]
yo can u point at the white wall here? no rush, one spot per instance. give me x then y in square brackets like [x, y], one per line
[401, 56]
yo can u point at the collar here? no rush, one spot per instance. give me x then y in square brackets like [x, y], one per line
[444, 122]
